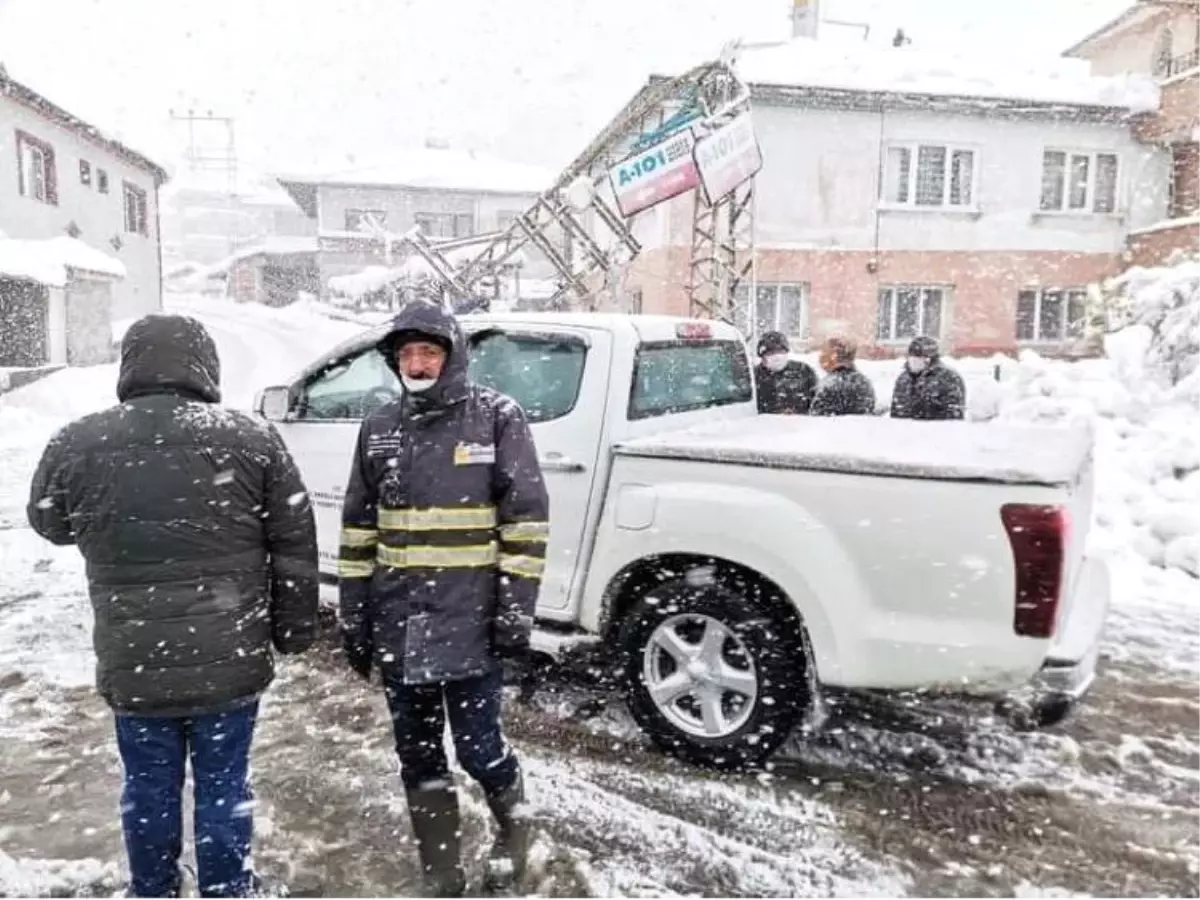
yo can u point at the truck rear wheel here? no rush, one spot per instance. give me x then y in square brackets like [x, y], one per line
[711, 677]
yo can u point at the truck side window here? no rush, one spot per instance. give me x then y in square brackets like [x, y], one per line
[543, 373]
[681, 376]
[349, 389]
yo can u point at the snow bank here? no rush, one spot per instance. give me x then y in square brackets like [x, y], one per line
[48, 261]
[810, 63]
[56, 877]
[1166, 301]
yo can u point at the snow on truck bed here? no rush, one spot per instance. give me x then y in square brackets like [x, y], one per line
[866, 445]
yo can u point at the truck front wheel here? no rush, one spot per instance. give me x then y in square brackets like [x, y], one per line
[711, 677]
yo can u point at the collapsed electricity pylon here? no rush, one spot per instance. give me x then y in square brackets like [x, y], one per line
[586, 240]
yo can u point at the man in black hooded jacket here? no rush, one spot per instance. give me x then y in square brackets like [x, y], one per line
[201, 554]
[445, 525]
[928, 388]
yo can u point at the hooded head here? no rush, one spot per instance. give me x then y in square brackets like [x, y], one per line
[838, 353]
[169, 354]
[923, 354]
[773, 350]
[423, 322]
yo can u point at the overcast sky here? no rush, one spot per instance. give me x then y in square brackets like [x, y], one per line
[325, 84]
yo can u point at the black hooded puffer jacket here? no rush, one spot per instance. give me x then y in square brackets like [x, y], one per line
[445, 521]
[195, 526]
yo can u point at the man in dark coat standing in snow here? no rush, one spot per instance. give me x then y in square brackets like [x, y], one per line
[844, 391]
[445, 524]
[928, 388]
[785, 386]
[201, 554]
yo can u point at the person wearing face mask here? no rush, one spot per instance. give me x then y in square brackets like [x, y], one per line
[928, 388]
[444, 531]
[784, 386]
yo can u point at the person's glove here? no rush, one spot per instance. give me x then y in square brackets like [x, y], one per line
[358, 650]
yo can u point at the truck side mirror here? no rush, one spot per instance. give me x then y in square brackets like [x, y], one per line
[274, 403]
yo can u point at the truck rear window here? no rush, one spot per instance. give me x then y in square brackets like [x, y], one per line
[681, 376]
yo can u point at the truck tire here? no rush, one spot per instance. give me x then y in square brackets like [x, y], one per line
[710, 677]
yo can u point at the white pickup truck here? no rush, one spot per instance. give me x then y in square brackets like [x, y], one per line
[734, 563]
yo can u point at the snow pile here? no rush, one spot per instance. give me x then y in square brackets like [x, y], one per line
[1148, 445]
[1166, 301]
[804, 62]
[364, 282]
[56, 877]
[49, 261]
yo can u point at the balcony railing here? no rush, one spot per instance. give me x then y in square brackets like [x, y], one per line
[1177, 65]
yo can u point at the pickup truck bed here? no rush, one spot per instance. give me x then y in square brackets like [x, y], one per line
[945, 451]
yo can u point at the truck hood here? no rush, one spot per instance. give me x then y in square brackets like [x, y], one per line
[1046, 455]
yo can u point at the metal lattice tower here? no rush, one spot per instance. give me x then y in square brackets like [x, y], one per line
[590, 259]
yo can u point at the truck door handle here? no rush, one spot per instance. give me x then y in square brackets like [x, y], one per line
[556, 462]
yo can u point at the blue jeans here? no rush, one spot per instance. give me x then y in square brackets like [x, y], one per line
[419, 713]
[155, 752]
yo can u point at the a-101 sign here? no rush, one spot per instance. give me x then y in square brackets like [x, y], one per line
[660, 172]
[728, 157]
[675, 165]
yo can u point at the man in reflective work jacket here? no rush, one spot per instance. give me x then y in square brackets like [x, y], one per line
[443, 545]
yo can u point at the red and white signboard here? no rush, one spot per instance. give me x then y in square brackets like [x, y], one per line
[658, 173]
[728, 157]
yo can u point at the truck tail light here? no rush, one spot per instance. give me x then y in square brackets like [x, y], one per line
[1038, 535]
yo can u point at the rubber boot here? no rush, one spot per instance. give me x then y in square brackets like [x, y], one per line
[437, 826]
[510, 851]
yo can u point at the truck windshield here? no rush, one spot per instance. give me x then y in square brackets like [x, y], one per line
[680, 376]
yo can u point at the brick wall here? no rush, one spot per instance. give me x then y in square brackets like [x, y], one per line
[1185, 200]
[1178, 113]
[844, 288]
[1155, 248]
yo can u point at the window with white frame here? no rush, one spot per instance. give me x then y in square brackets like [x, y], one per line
[36, 173]
[909, 311]
[929, 175]
[445, 225]
[1049, 315]
[776, 307]
[1079, 181]
[368, 221]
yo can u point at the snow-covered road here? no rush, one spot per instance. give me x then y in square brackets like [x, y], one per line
[1106, 804]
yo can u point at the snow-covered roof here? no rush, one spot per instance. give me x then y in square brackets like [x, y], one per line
[248, 187]
[275, 245]
[28, 97]
[430, 169]
[51, 261]
[1136, 14]
[809, 63]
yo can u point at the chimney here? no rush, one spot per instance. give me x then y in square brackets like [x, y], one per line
[805, 18]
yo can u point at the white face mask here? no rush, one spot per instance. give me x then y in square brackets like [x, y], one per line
[417, 385]
[776, 362]
[917, 364]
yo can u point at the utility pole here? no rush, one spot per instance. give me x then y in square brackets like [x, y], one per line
[221, 158]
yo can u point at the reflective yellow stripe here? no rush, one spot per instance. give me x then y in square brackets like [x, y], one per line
[470, 557]
[523, 566]
[530, 532]
[437, 519]
[356, 568]
[359, 537]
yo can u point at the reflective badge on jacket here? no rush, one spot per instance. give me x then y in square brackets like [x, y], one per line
[474, 454]
[383, 444]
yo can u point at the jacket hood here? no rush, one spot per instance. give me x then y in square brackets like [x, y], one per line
[169, 354]
[424, 318]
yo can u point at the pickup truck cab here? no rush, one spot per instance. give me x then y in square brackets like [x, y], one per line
[733, 563]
